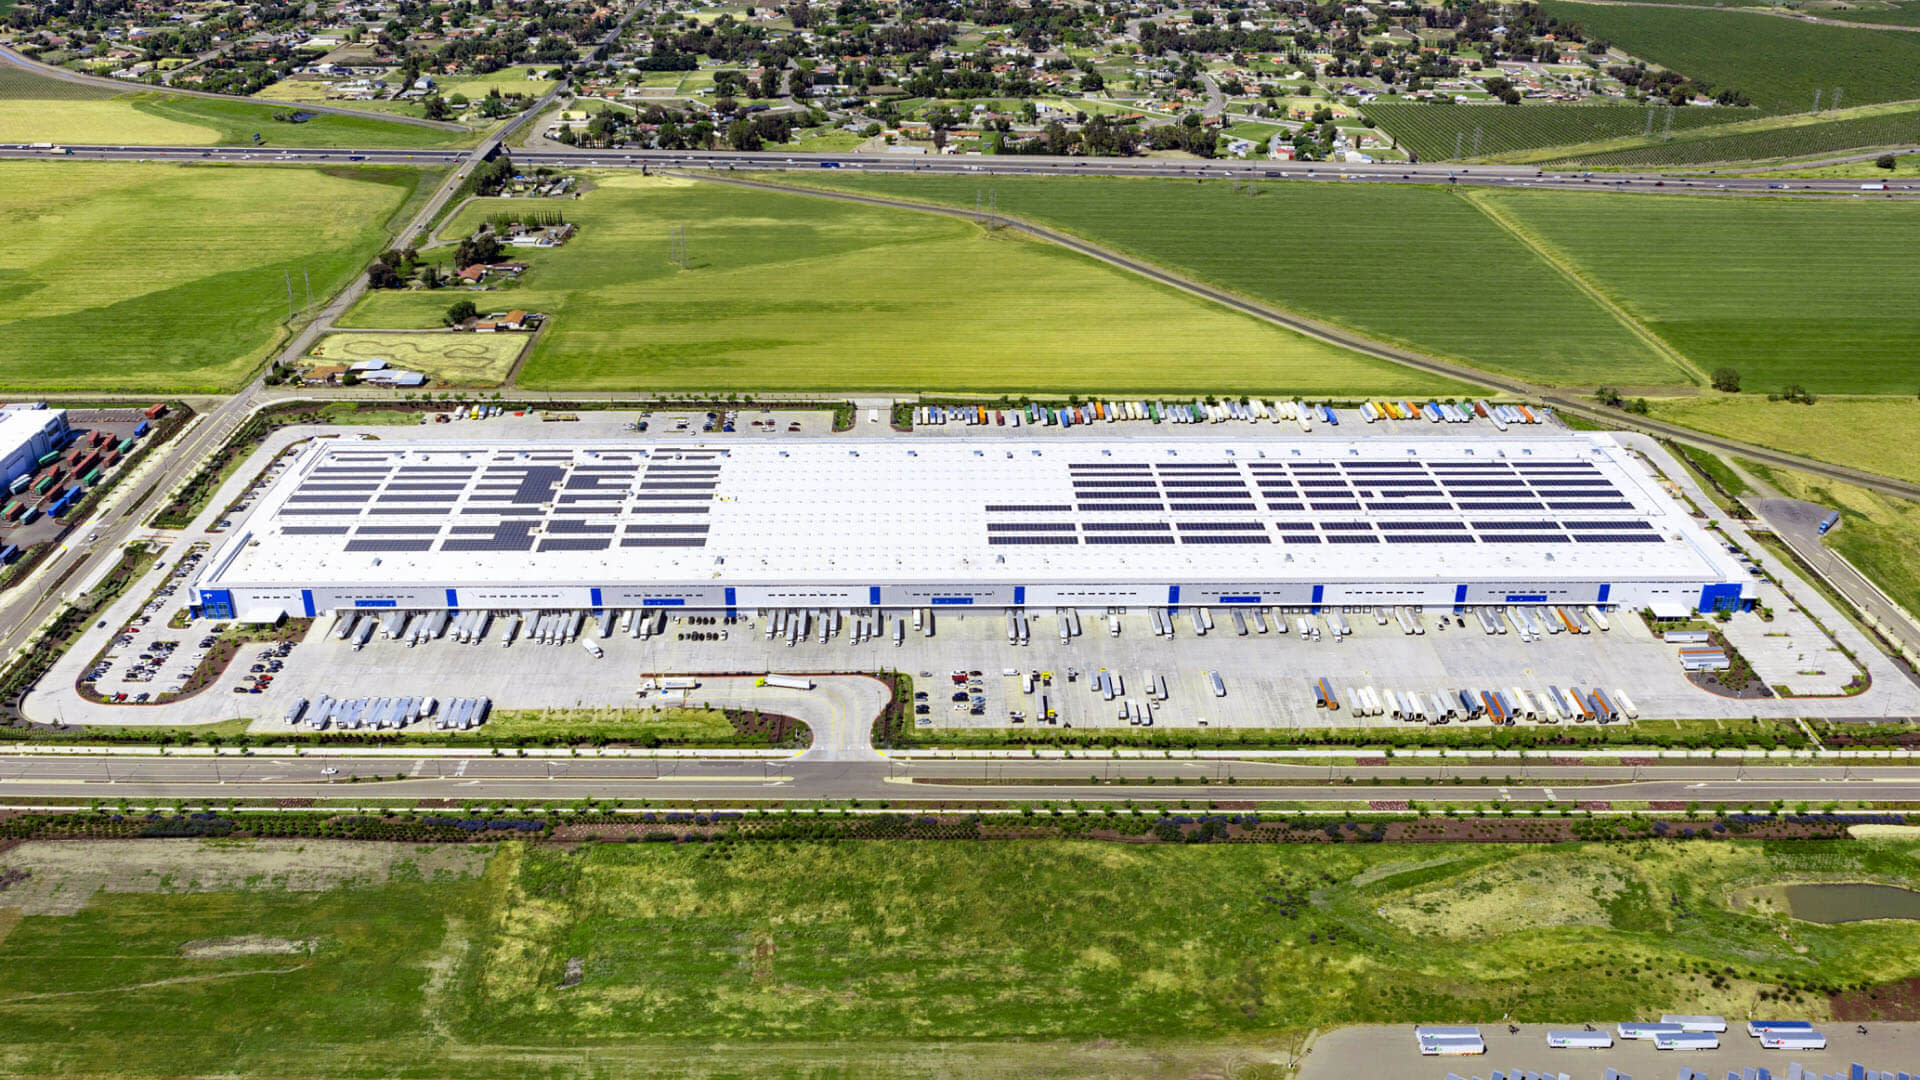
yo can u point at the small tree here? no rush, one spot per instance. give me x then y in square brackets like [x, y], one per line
[1884, 161]
[1726, 380]
[460, 312]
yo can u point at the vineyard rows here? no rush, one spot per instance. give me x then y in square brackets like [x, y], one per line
[18, 84]
[1865, 132]
[1439, 132]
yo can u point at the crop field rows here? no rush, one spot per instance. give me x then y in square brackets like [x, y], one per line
[1778, 63]
[1800, 140]
[1444, 132]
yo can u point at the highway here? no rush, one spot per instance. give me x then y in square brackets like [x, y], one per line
[341, 778]
[1010, 165]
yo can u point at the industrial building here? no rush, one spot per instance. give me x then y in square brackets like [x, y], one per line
[1307, 522]
[27, 434]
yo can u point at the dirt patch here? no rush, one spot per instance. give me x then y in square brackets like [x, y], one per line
[1893, 1001]
[65, 874]
[9, 918]
[224, 948]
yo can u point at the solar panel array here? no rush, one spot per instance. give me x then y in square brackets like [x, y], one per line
[504, 500]
[1104, 492]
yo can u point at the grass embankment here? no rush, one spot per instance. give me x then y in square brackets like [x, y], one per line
[125, 276]
[1458, 286]
[912, 958]
[789, 292]
[1878, 534]
[1871, 433]
[1779, 63]
[1717, 478]
[38, 108]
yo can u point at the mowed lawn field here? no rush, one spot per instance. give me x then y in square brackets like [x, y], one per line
[38, 108]
[1411, 265]
[151, 277]
[899, 958]
[790, 292]
[1783, 290]
[1877, 434]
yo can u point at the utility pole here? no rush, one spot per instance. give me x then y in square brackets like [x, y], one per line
[289, 276]
[1836, 97]
[678, 253]
[308, 278]
[1816, 102]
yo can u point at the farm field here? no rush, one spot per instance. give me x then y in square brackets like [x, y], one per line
[1442, 132]
[786, 292]
[914, 958]
[1778, 62]
[1774, 139]
[128, 276]
[1342, 254]
[1878, 534]
[1727, 282]
[35, 108]
[1871, 433]
[457, 359]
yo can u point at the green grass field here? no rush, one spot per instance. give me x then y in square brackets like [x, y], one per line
[896, 958]
[1416, 266]
[1871, 433]
[1773, 139]
[1739, 282]
[37, 108]
[1440, 132]
[127, 276]
[789, 292]
[1778, 62]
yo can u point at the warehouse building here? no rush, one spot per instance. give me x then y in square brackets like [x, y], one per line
[897, 523]
[27, 434]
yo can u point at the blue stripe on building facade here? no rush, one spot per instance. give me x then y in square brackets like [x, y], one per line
[1239, 599]
[595, 596]
[1526, 598]
[951, 600]
[306, 602]
[1319, 591]
[1604, 590]
[873, 595]
[663, 601]
[1459, 597]
[1173, 594]
[453, 598]
[1019, 595]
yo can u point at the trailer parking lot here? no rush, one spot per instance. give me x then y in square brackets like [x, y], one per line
[1267, 678]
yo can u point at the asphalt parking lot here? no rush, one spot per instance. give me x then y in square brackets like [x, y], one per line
[1266, 676]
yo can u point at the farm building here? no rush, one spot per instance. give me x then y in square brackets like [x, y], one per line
[1307, 522]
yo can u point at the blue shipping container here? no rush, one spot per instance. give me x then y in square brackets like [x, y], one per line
[9, 553]
[142, 429]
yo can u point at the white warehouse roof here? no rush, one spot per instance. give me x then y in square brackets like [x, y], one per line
[859, 512]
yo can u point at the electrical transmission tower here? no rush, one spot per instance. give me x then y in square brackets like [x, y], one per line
[678, 253]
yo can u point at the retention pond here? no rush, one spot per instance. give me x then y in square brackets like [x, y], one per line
[1855, 902]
